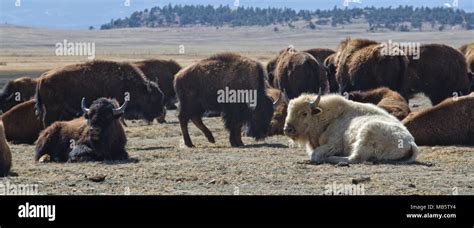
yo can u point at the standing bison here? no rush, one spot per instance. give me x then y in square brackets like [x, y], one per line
[200, 87]
[383, 97]
[362, 65]
[5, 154]
[21, 124]
[448, 123]
[298, 72]
[59, 91]
[336, 130]
[320, 53]
[96, 136]
[162, 73]
[440, 72]
[17, 91]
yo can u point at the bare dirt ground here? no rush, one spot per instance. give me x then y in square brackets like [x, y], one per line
[160, 165]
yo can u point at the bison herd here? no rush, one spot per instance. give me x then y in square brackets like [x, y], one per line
[349, 105]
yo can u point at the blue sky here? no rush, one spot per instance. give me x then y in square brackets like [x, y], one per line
[84, 13]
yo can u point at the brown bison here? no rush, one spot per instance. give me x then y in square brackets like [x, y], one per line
[362, 65]
[385, 98]
[330, 65]
[59, 91]
[448, 123]
[228, 83]
[5, 154]
[298, 72]
[280, 104]
[21, 124]
[440, 72]
[162, 73]
[96, 136]
[17, 91]
[320, 53]
[468, 51]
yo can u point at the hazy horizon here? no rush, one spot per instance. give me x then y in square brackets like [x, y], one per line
[77, 14]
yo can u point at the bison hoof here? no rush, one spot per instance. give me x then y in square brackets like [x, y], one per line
[211, 140]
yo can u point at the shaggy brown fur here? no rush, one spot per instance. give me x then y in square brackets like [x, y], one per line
[162, 72]
[448, 123]
[60, 91]
[21, 123]
[24, 86]
[279, 111]
[362, 66]
[468, 51]
[5, 154]
[330, 65]
[197, 89]
[299, 72]
[439, 73]
[385, 98]
[98, 135]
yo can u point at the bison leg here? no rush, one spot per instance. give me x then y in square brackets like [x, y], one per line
[199, 124]
[183, 122]
[235, 136]
[161, 119]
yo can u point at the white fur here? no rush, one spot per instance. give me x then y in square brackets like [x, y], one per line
[354, 132]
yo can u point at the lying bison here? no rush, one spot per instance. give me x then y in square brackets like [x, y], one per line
[336, 130]
[59, 92]
[383, 97]
[448, 123]
[299, 72]
[17, 91]
[5, 154]
[21, 124]
[363, 65]
[213, 85]
[96, 136]
[440, 72]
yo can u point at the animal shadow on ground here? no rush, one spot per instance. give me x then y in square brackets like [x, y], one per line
[118, 162]
[265, 145]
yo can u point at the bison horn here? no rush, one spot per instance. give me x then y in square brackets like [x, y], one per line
[315, 103]
[83, 106]
[276, 101]
[121, 110]
[285, 96]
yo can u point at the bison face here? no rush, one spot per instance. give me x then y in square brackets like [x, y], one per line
[8, 98]
[279, 114]
[303, 113]
[101, 114]
[152, 103]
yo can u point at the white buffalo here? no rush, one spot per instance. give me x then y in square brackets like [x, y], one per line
[336, 130]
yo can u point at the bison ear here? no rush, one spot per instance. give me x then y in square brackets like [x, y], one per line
[316, 111]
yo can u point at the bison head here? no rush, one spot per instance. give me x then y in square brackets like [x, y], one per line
[309, 116]
[279, 114]
[146, 103]
[8, 98]
[101, 115]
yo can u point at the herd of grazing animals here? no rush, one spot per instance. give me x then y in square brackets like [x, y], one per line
[348, 105]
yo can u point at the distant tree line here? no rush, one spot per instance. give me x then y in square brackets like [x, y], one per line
[402, 18]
